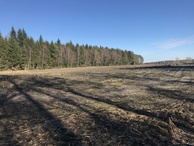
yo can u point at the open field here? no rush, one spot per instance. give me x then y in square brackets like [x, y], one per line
[116, 106]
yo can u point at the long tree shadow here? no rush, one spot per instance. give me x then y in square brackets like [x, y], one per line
[125, 132]
[113, 128]
[190, 83]
[146, 78]
[56, 83]
[5, 94]
[172, 94]
[4, 98]
[55, 130]
[162, 116]
[123, 106]
[6, 133]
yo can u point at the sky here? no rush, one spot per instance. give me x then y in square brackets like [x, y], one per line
[156, 29]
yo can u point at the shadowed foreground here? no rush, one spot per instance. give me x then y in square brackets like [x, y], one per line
[112, 106]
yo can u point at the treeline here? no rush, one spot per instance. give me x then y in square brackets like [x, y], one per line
[19, 52]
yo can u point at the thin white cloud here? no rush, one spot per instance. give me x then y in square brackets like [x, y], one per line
[174, 43]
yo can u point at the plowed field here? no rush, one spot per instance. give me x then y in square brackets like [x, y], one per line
[96, 106]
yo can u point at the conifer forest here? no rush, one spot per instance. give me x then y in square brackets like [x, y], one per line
[18, 51]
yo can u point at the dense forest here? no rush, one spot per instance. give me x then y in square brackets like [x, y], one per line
[19, 52]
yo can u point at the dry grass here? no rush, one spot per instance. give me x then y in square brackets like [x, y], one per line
[128, 105]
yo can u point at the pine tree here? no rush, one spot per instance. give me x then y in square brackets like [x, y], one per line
[1, 37]
[13, 33]
[3, 53]
[54, 55]
[20, 38]
[42, 50]
[58, 42]
[25, 36]
[36, 56]
[21, 52]
[61, 52]
[41, 40]
[13, 56]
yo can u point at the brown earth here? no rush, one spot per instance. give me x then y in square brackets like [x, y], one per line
[121, 106]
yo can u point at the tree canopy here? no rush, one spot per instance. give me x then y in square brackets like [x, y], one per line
[19, 52]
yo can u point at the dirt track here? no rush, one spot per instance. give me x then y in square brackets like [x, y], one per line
[127, 105]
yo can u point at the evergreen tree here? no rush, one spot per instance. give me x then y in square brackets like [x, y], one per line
[13, 33]
[25, 36]
[21, 52]
[41, 40]
[20, 38]
[60, 53]
[3, 53]
[53, 55]
[70, 45]
[36, 56]
[28, 52]
[42, 51]
[13, 54]
[1, 37]
[58, 42]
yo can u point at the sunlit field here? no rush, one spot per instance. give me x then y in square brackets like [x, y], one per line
[116, 106]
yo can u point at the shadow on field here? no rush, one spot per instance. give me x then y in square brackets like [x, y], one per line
[55, 132]
[103, 131]
[182, 122]
[172, 94]
[161, 67]
[122, 132]
[125, 133]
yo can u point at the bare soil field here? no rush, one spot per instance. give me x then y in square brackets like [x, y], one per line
[98, 106]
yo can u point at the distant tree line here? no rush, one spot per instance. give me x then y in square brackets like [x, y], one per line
[19, 52]
[186, 61]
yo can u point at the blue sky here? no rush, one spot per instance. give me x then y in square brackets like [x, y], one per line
[156, 29]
